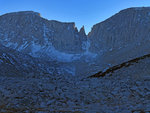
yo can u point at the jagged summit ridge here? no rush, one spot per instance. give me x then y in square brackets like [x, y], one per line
[130, 18]
[122, 37]
[23, 13]
[114, 26]
[39, 37]
[82, 31]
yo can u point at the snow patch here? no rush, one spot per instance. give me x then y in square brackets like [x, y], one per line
[61, 56]
[11, 45]
[53, 53]
[68, 27]
[105, 69]
[1, 61]
[87, 54]
[35, 48]
[44, 32]
[23, 46]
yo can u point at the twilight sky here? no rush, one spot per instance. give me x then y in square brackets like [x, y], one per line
[82, 12]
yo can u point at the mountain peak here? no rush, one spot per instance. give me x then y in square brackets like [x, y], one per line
[82, 31]
[136, 9]
[140, 8]
[24, 13]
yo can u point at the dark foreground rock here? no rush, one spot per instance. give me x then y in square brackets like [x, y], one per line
[126, 90]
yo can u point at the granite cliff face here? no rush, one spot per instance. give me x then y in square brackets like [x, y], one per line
[129, 26]
[122, 37]
[29, 33]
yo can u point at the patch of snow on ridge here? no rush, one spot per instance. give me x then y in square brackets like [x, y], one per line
[23, 46]
[45, 32]
[61, 56]
[12, 45]
[35, 49]
[88, 55]
[53, 53]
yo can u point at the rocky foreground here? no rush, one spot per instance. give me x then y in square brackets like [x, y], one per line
[126, 90]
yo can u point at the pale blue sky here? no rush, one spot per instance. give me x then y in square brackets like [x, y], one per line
[82, 12]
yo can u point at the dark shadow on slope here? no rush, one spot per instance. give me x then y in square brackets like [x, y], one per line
[140, 111]
[114, 68]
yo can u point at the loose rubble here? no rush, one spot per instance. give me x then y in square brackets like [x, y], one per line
[126, 90]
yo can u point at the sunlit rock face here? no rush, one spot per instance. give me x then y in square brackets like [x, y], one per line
[123, 36]
[29, 33]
